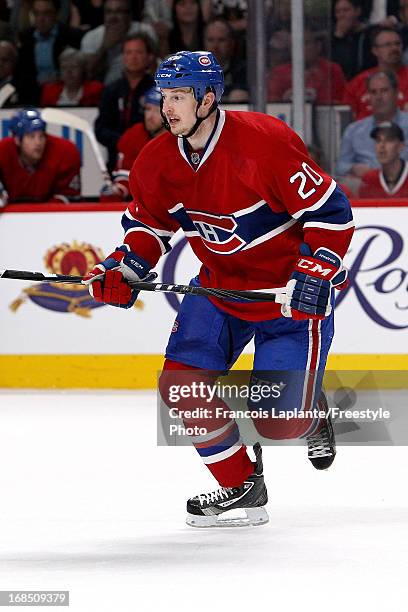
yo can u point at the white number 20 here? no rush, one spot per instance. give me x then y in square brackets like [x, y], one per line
[303, 176]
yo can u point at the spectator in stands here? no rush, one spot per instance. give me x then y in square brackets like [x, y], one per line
[279, 48]
[349, 42]
[86, 14]
[37, 167]
[391, 179]
[233, 11]
[280, 16]
[158, 13]
[8, 59]
[219, 39]
[40, 48]
[103, 45]
[324, 80]
[357, 152]
[188, 24]
[21, 17]
[403, 27]
[72, 89]
[387, 48]
[132, 142]
[121, 101]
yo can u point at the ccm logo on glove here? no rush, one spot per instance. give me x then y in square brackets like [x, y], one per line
[309, 290]
[312, 266]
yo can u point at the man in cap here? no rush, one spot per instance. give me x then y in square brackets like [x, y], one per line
[391, 179]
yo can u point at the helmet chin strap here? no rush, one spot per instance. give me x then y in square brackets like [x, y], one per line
[198, 122]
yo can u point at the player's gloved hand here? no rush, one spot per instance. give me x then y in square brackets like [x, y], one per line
[308, 291]
[113, 192]
[109, 280]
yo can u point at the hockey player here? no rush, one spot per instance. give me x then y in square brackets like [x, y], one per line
[35, 166]
[258, 213]
[132, 142]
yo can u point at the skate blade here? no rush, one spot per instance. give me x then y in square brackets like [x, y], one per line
[253, 518]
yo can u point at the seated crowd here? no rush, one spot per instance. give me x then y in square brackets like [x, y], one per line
[104, 53]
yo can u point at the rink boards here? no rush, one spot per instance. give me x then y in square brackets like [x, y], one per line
[56, 336]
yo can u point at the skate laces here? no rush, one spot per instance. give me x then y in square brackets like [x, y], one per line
[214, 496]
[319, 444]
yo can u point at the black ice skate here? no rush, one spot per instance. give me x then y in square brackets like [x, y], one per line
[322, 445]
[215, 509]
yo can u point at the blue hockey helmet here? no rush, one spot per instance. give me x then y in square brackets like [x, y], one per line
[153, 96]
[196, 69]
[25, 121]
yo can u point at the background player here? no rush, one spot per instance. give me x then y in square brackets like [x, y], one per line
[132, 142]
[258, 213]
[35, 166]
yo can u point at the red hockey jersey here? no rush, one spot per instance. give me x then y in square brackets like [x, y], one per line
[254, 197]
[55, 178]
[374, 185]
[129, 146]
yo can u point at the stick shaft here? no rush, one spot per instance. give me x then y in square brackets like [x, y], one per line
[60, 117]
[257, 295]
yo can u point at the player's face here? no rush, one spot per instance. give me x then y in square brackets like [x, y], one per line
[388, 48]
[383, 98]
[32, 146]
[152, 118]
[388, 149]
[179, 107]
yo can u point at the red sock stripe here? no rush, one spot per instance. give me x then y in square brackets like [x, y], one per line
[313, 363]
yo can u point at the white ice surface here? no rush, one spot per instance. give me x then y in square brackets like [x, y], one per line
[90, 504]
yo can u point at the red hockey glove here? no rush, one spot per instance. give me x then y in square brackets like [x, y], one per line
[309, 289]
[109, 280]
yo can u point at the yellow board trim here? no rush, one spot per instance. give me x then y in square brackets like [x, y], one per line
[140, 371]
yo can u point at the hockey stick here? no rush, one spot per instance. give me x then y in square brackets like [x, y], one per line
[6, 92]
[60, 117]
[258, 295]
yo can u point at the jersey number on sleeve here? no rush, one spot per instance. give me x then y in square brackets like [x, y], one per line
[308, 173]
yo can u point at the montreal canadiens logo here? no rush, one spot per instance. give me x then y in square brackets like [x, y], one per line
[217, 232]
[204, 60]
